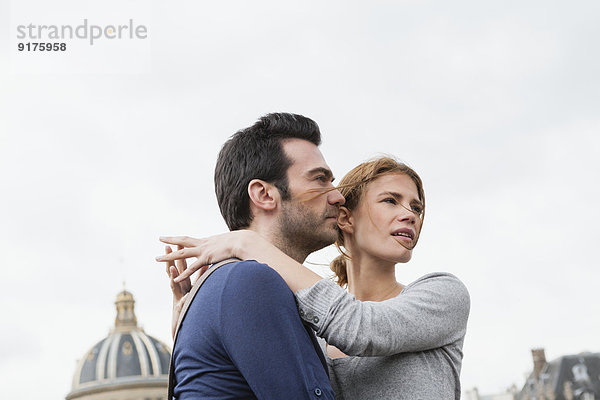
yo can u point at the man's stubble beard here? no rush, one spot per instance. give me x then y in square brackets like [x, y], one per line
[302, 231]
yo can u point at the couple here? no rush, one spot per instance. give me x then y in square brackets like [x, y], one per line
[249, 332]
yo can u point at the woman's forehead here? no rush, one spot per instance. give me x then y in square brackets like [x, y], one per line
[395, 183]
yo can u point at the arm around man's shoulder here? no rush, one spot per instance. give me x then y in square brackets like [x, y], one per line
[429, 313]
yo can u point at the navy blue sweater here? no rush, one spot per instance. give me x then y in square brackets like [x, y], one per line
[242, 338]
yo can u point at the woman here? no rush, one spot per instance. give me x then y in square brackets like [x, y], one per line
[384, 340]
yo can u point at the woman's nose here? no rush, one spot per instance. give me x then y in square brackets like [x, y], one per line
[406, 215]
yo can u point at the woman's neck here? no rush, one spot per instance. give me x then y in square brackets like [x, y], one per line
[372, 279]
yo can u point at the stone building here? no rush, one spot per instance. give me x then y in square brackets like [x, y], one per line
[126, 365]
[473, 394]
[573, 377]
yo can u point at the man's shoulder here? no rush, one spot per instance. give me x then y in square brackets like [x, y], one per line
[240, 286]
[234, 282]
[246, 264]
[247, 272]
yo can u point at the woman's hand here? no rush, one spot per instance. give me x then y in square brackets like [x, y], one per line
[177, 308]
[179, 289]
[174, 269]
[206, 251]
[242, 244]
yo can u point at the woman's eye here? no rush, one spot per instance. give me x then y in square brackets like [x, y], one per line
[321, 178]
[390, 200]
[417, 209]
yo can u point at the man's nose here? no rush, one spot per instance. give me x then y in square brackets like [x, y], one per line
[335, 198]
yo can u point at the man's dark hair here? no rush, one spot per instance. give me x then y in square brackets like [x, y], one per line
[257, 153]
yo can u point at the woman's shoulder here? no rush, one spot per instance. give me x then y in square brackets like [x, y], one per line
[436, 278]
[440, 285]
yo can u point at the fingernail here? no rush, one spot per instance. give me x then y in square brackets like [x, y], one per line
[159, 258]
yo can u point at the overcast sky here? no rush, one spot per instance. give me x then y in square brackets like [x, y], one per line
[105, 147]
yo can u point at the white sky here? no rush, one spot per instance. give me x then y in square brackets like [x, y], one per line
[104, 148]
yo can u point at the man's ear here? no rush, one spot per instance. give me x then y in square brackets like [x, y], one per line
[263, 195]
[345, 220]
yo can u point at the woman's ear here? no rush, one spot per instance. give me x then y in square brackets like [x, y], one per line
[263, 195]
[345, 220]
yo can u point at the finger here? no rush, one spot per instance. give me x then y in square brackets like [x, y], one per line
[168, 250]
[184, 241]
[175, 287]
[177, 255]
[188, 272]
[201, 272]
[198, 265]
[173, 273]
[181, 264]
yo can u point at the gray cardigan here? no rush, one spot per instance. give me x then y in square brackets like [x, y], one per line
[408, 347]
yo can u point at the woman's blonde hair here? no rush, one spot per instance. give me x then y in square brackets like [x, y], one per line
[354, 185]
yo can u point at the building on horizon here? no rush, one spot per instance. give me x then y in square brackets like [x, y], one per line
[571, 377]
[473, 394]
[128, 364]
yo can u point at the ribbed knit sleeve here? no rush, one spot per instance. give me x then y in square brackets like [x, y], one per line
[429, 313]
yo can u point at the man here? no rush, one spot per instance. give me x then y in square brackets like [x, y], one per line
[242, 337]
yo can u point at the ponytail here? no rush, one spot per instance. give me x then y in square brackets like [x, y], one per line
[338, 266]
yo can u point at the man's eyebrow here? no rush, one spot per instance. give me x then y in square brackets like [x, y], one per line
[325, 171]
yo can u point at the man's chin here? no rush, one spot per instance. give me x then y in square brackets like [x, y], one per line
[330, 235]
[322, 238]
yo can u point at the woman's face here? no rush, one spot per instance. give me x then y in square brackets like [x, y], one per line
[386, 223]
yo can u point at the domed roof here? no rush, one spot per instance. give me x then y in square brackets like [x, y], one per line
[128, 356]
